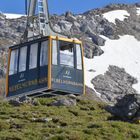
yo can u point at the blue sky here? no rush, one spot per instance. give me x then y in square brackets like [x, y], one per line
[60, 6]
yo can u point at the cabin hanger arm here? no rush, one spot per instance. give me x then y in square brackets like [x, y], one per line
[45, 28]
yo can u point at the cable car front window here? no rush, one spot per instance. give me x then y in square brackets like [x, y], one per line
[22, 59]
[33, 56]
[66, 54]
[79, 56]
[44, 53]
[13, 62]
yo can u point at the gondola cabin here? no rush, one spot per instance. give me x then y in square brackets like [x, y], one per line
[47, 65]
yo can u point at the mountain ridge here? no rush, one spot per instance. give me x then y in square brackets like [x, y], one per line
[92, 27]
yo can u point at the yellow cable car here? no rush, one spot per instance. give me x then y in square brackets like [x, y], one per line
[46, 65]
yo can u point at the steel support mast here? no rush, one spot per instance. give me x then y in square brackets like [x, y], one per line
[43, 17]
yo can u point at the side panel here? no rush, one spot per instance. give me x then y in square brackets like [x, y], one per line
[67, 79]
[43, 77]
[29, 80]
[22, 82]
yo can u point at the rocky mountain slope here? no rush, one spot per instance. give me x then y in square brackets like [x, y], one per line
[87, 26]
[95, 28]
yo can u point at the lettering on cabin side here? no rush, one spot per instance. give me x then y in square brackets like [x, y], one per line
[67, 82]
[35, 82]
[28, 84]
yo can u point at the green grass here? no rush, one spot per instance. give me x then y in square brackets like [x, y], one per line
[2, 87]
[86, 121]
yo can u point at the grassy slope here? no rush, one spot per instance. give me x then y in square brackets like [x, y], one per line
[86, 121]
[2, 86]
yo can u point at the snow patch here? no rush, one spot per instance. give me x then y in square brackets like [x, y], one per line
[124, 53]
[138, 11]
[116, 14]
[12, 16]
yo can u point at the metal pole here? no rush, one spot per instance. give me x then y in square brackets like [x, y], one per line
[26, 7]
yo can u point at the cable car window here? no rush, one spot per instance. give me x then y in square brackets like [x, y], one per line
[33, 56]
[22, 59]
[44, 53]
[54, 52]
[66, 54]
[79, 57]
[13, 62]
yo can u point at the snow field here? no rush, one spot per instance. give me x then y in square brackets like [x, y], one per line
[138, 11]
[13, 16]
[124, 53]
[116, 14]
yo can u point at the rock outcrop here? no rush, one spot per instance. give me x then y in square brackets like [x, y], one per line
[114, 84]
[127, 108]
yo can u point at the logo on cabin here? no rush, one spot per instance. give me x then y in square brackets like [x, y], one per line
[21, 78]
[21, 75]
[67, 74]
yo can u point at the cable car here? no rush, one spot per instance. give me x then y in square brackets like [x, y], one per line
[46, 65]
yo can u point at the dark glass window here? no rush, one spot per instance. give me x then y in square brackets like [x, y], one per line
[44, 53]
[22, 59]
[54, 52]
[79, 56]
[33, 56]
[13, 62]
